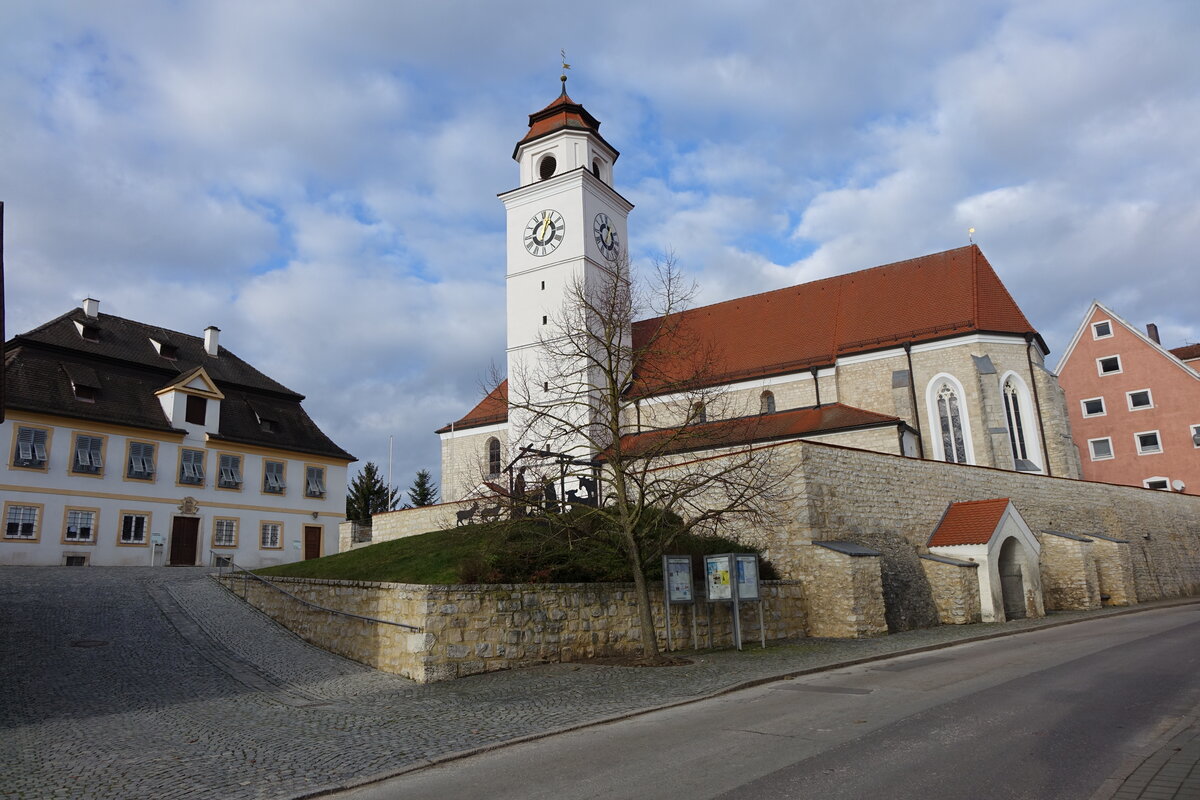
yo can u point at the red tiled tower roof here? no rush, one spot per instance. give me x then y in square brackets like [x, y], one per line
[562, 113]
[971, 522]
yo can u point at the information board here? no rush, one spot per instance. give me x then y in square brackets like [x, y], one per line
[677, 571]
[716, 570]
[747, 576]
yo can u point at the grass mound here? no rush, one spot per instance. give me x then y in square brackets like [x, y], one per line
[563, 548]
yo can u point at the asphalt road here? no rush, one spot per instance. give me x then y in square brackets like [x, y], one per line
[1048, 714]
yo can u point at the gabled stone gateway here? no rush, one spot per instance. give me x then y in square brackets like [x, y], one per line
[993, 534]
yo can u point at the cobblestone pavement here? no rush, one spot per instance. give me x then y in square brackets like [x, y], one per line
[1172, 772]
[135, 682]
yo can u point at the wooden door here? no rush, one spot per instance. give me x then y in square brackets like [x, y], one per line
[312, 541]
[185, 536]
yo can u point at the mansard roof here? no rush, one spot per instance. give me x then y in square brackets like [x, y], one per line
[563, 113]
[970, 522]
[932, 297]
[41, 365]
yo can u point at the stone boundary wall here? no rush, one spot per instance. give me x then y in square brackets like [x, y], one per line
[467, 630]
[407, 522]
[385, 647]
[845, 594]
[955, 589]
[1070, 581]
[893, 506]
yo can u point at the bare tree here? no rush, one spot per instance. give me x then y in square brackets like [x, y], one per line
[578, 405]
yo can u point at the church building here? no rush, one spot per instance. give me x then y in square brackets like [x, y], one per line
[929, 358]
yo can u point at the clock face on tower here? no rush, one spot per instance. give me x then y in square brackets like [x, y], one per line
[544, 232]
[606, 236]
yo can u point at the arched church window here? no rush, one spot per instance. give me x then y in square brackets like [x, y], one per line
[699, 414]
[1016, 425]
[546, 167]
[493, 457]
[950, 424]
[766, 403]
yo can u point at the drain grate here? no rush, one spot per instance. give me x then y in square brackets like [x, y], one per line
[89, 643]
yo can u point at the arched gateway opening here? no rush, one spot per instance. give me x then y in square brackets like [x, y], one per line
[1012, 580]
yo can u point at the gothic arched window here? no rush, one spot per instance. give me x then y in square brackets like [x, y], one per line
[1016, 425]
[951, 427]
[766, 403]
[493, 457]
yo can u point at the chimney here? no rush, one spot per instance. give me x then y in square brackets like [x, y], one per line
[91, 308]
[211, 333]
[1152, 332]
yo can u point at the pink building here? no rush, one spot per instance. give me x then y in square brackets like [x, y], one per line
[1134, 406]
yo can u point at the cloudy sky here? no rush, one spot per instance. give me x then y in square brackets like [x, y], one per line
[319, 179]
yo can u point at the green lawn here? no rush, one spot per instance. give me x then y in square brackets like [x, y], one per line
[429, 558]
[559, 549]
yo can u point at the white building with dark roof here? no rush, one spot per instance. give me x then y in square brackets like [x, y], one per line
[130, 444]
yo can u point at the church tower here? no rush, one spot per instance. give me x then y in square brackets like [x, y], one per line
[566, 229]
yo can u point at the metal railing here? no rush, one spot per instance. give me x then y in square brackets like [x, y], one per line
[226, 567]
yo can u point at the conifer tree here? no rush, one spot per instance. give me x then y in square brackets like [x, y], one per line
[424, 491]
[368, 495]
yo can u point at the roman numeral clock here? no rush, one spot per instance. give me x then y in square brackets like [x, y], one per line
[544, 232]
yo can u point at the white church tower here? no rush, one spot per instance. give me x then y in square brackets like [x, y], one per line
[566, 228]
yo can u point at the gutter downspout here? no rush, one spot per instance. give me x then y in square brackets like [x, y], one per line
[1037, 403]
[816, 384]
[912, 391]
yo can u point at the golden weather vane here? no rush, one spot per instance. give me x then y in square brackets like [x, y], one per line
[565, 67]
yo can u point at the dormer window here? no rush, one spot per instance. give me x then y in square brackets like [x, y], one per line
[84, 382]
[90, 333]
[196, 409]
[168, 351]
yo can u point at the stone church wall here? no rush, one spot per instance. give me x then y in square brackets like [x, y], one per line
[893, 506]
[464, 460]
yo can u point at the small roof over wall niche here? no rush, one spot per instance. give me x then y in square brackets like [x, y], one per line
[848, 548]
[969, 522]
[1072, 536]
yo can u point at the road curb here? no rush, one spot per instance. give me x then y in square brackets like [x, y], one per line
[753, 682]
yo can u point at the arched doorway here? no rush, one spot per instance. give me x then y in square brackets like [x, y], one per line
[1012, 579]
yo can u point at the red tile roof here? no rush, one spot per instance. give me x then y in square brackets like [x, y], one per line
[562, 113]
[763, 428]
[1187, 352]
[971, 522]
[491, 410]
[789, 330]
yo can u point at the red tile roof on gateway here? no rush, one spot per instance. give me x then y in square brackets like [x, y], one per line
[762, 428]
[971, 522]
[791, 330]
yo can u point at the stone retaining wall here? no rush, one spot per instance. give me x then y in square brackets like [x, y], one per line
[892, 504]
[466, 630]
